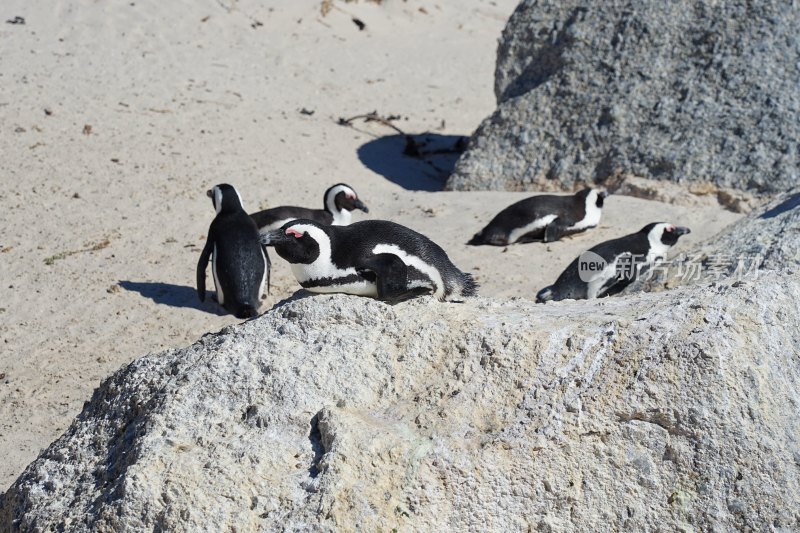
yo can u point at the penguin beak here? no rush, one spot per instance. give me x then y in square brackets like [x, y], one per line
[360, 205]
[274, 238]
[681, 230]
[210, 193]
[603, 194]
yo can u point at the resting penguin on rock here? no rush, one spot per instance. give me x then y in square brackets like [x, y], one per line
[611, 266]
[543, 218]
[338, 202]
[373, 258]
[239, 261]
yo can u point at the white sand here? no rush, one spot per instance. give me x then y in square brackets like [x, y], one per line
[184, 95]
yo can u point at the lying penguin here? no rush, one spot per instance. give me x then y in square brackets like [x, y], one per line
[609, 267]
[543, 218]
[373, 258]
[338, 202]
[239, 261]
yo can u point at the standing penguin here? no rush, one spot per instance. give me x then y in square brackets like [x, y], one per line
[373, 258]
[611, 266]
[338, 201]
[239, 261]
[546, 217]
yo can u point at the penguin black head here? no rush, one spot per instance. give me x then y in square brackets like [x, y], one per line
[341, 196]
[298, 241]
[225, 198]
[664, 234]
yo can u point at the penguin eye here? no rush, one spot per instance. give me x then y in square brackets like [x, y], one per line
[670, 229]
[294, 233]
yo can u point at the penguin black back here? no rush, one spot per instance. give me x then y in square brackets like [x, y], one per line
[239, 261]
[338, 201]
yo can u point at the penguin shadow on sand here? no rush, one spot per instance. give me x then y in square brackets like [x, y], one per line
[415, 162]
[173, 295]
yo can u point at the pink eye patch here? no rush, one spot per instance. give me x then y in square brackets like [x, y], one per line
[294, 233]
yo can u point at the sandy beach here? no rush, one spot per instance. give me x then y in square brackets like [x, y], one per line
[116, 118]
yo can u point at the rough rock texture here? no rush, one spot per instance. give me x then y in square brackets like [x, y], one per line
[691, 90]
[671, 411]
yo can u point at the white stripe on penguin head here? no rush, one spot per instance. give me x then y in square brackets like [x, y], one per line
[217, 198]
[323, 266]
[657, 247]
[341, 217]
[591, 213]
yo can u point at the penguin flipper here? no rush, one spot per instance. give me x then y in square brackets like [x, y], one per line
[554, 231]
[202, 264]
[391, 278]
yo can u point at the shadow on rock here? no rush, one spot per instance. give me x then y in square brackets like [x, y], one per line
[172, 295]
[415, 162]
[787, 205]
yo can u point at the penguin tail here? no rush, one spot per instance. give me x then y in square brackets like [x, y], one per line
[476, 240]
[545, 295]
[247, 311]
[469, 287]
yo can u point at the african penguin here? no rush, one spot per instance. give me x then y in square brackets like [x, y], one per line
[338, 202]
[545, 217]
[239, 261]
[609, 267]
[374, 258]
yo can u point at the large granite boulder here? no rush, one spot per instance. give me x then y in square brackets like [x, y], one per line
[662, 411]
[686, 91]
[659, 411]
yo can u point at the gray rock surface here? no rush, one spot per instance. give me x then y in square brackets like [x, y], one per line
[686, 91]
[671, 411]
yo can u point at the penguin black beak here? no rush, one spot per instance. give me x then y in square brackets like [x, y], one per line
[210, 193]
[274, 238]
[358, 204]
[603, 194]
[681, 230]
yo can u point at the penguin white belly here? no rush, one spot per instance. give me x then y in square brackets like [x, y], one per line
[413, 261]
[220, 294]
[590, 219]
[594, 285]
[322, 268]
[322, 276]
[359, 288]
[539, 223]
